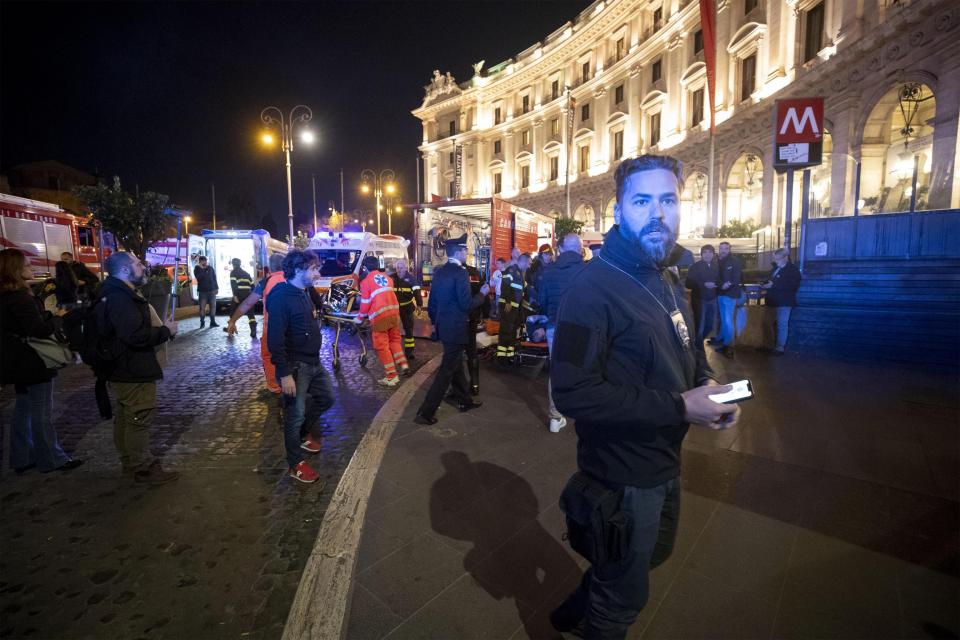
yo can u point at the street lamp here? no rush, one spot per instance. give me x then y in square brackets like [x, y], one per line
[186, 225]
[385, 180]
[299, 113]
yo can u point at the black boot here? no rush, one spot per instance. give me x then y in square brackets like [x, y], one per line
[474, 367]
[253, 329]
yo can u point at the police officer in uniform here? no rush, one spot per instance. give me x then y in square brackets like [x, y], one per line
[242, 284]
[449, 308]
[408, 295]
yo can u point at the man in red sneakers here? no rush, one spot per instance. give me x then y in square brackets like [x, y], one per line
[294, 340]
[379, 305]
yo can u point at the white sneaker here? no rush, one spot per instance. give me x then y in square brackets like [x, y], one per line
[556, 425]
[388, 382]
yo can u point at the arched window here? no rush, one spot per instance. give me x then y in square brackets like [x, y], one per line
[897, 133]
[584, 213]
[693, 206]
[744, 189]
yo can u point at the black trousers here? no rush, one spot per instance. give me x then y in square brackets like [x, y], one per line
[406, 319]
[473, 363]
[450, 373]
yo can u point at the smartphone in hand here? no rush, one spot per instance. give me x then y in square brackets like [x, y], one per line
[742, 390]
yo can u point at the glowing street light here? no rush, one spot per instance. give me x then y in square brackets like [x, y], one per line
[267, 139]
[299, 113]
[385, 180]
[186, 225]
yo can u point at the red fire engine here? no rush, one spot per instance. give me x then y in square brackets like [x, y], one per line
[42, 231]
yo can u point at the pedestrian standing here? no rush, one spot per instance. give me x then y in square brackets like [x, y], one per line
[702, 279]
[294, 341]
[730, 277]
[241, 284]
[378, 304]
[207, 290]
[624, 367]
[496, 279]
[411, 303]
[554, 285]
[473, 319]
[86, 279]
[260, 292]
[449, 307]
[129, 335]
[67, 285]
[780, 298]
[33, 438]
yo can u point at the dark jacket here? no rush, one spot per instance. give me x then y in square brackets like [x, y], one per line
[128, 335]
[241, 284]
[67, 284]
[700, 273]
[785, 281]
[293, 333]
[730, 271]
[84, 276]
[512, 287]
[476, 282]
[21, 316]
[618, 367]
[206, 279]
[450, 303]
[408, 292]
[555, 281]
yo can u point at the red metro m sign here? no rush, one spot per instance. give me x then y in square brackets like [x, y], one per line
[798, 133]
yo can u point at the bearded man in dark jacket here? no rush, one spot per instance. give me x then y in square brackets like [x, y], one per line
[129, 335]
[625, 368]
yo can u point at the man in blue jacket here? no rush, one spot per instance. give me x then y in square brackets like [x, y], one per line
[294, 340]
[625, 368]
[781, 297]
[449, 307]
[554, 282]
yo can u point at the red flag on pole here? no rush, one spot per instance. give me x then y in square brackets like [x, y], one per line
[708, 23]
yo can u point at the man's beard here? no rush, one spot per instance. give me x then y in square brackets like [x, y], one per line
[657, 250]
[140, 280]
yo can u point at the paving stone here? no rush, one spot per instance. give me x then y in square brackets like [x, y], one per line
[88, 554]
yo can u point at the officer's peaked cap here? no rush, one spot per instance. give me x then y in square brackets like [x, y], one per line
[455, 244]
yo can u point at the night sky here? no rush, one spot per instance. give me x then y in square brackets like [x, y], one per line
[168, 96]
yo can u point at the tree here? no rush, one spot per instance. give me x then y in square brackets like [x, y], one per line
[563, 226]
[136, 221]
[738, 229]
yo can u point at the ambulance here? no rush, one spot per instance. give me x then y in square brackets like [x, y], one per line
[252, 247]
[341, 255]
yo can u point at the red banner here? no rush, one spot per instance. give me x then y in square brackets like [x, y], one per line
[708, 23]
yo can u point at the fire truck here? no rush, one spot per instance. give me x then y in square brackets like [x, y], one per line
[42, 231]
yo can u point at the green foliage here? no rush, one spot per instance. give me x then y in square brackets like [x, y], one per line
[300, 241]
[136, 221]
[563, 226]
[738, 229]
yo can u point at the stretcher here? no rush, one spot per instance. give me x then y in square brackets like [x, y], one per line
[338, 312]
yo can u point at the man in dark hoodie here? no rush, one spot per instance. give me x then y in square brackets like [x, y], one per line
[294, 340]
[625, 368]
[129, 334]
[553, 284]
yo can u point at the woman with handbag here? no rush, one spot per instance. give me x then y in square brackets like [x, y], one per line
[33, 439]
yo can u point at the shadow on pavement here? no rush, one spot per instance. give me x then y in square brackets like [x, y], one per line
[513, 556]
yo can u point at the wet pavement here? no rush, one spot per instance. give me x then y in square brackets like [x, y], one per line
[829, 511]
[217, 554]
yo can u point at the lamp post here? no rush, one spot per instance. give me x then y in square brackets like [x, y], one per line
[384, 181]
[299, 113]
[186, 226]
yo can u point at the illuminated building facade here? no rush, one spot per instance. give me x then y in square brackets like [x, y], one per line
[889, 70]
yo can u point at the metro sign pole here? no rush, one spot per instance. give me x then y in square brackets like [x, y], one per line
[798, 144]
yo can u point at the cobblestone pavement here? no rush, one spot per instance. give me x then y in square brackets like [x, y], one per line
[217, 554]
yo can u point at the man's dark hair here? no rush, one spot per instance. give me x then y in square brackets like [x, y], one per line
[202, 259]
[298, 260]
[646, 162]
[66, 253]
[501, 260]
[236, 263]
[371, 263]
[707, 247]
[724, 243]
[118, 260]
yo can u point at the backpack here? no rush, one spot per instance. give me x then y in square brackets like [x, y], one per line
[83, 328]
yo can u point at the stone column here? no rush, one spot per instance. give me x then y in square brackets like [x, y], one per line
[631, 141]
[510, 160]
[536, 162]
[842, 168]
[601, 107]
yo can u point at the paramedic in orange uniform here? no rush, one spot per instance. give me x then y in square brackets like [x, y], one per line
[379, 305]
